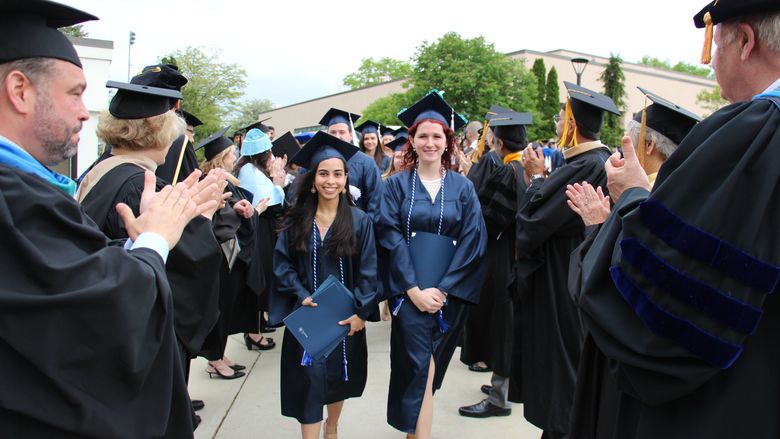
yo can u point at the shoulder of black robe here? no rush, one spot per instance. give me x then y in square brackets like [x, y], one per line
[188, 165]
[481, 170]
[89, 348]
[544, 212]
[498, 197]
[686, 238]
[192, 267]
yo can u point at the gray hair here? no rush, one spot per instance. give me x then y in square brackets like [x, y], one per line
[37, 70]
[473, 126]
[766, 27]
[663, 144]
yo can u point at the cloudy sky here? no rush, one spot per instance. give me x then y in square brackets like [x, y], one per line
[296, 50]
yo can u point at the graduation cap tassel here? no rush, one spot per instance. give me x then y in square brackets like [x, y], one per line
[344, 353]
[565, 141]
[443, 326]
[452, 121]
[306, 360]
[640, 148]
[706, 53]
[178, 164]
[355, 140]
[481, 145]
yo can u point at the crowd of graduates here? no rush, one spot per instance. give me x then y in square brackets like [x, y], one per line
[616, 291]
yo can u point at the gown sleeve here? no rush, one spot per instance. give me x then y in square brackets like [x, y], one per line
[392, 238]
[289, 291]
[373, 185]
[465, 276]
[365, 288]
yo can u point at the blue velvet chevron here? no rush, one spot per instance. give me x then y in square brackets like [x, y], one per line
[714, 303]
[716, 351]
[709, 249]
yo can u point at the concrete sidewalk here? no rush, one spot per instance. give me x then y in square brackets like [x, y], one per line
[248, 407]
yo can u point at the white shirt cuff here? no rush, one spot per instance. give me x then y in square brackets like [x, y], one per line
[152, 241]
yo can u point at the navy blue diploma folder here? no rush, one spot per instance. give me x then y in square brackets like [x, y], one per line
[317, 328]
[431, 257]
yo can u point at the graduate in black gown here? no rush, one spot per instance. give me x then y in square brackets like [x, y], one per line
[493, 321]
[323, 235]
[193, 265]
[88, 348]
[660, 128]
[365, 182]
[428, 323]
[679, 292]
[547, 232]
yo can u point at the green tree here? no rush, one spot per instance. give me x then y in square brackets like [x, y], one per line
[691, 69]
[473, 75]
[247, 112]
[540, 72]
[552, 106]
[614, 86]
[385, 109]
[372, 72]
[711, 100]
[213, 87]
[74, 31]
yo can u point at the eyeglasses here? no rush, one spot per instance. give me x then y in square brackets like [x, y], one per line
[557, 118]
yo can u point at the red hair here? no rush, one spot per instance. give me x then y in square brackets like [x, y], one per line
[410, 156]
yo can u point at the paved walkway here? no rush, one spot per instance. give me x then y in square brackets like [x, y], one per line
[249, 407]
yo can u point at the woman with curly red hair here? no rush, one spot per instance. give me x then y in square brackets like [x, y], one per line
[427, 206]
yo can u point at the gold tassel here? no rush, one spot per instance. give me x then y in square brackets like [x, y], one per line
[640, 148]
[477, 154]
[568, 139]
[706, 53]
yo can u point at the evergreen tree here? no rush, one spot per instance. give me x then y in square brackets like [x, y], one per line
[552, 104]
[540, 71]
[614, 87]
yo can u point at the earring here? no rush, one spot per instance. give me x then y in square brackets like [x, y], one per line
[313, 190]
[344, 191]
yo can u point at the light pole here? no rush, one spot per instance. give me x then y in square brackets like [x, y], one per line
[129, 46]
[579, 65]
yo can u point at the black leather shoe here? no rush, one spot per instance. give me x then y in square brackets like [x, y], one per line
[237, 367]
[477, 368]
[483, 409]
[195, 422]
[486, 388]
[197, 404]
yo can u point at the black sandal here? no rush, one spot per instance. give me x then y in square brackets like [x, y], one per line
[251, 344]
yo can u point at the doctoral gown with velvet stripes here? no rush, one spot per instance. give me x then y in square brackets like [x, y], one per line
[680, 287]
[416, 335]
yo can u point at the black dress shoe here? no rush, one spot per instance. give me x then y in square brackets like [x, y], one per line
[197, 404]
[267, 330]
[483, 409]
[251, 344]
[237, 367]
[486, 388]
[476, 368]
[195, 422]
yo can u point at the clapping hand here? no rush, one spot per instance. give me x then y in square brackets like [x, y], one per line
[243, 208]
[625, 173]
[590, 204]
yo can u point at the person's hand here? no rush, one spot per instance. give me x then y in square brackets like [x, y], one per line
[625, 173]
[262, 206]
[386, 314]
[356, 324]
[277, 172]
[465, 163]
[309, 302]
[225, 197]
[166, 214]
[533, 161]
[590, 204]
[243, 208]
[219, 176]
[424, 301]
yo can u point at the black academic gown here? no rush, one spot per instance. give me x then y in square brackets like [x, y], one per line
[547, 232]
[489, 331]
[192, 267]
[88, 348]
[306, 389]
[703, 363]
[416, 335]
[189, 162]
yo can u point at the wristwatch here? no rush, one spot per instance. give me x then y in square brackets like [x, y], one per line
[537, 176]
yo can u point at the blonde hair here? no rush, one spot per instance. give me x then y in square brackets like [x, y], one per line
[217, 162]
[154, 132]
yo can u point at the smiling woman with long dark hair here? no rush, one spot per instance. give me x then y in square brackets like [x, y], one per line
[323, 234]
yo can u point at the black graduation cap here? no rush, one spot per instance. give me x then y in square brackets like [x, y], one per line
[432, 106]
[368, 127]
[191, 119]
[496, 110]
[723, 10]
[133, 101]
[667, 118]
[334, 116]
[162, 76]
[259, 125]
[510, 127]
[403, 131]
[399, 141]
[28, 29]
[215, 144]
[321, 147]
[385, 130]
[286, 145]
[589, 106]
